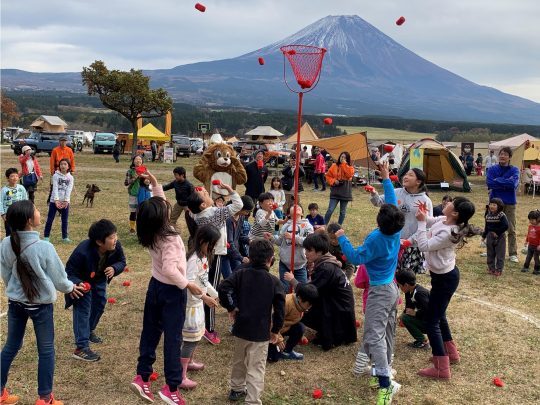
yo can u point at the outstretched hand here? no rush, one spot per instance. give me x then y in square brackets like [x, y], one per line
[339, 233]
[420, 215]
[384, 170]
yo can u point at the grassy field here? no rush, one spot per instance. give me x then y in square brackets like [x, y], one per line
[386, 134]
[493, 341]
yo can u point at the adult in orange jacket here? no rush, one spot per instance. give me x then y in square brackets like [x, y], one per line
[339, 178]
[62, 152]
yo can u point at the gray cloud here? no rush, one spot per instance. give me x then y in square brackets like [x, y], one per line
[491, 42]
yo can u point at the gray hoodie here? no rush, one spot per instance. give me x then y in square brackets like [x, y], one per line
[408, 204]
[303, 229]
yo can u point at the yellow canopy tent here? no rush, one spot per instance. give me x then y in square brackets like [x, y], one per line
[151, 133]
[355, 144]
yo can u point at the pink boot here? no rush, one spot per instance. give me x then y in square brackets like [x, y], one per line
[452, 351]
[194, 366]
[187, 384]
[440, 369]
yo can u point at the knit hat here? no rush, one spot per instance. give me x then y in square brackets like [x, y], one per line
[25, 148]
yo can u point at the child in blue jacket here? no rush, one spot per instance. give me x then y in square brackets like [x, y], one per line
[94, 261]
[379, 254]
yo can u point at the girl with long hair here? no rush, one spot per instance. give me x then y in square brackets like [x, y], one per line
[199, 259]
[445, 234]
[165, 303]
[32, 272]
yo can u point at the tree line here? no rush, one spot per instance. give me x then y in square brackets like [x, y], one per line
[87, 113]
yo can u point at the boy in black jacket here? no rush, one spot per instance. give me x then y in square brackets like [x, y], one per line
[249, 295]
[416, 304]
[182, 188]
[94, 261]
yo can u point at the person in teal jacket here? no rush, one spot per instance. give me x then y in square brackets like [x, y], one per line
[32, 272]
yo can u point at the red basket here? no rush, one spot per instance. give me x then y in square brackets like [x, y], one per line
[306, 63]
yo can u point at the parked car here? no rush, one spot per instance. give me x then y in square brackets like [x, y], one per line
[272, 155]
[103, 142]
[182, 144]
[39, 142]
[196, 144]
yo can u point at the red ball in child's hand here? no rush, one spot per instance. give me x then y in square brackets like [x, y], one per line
[406, 243]
[317, 393]
[126, 283]
[357, 323]
[388, 148]
[228, 245]
[111, 300]
[369, 189]
[393, 178]
[140, 169]
[87, 286]
[275, 206]
[216, 182]
[154, 376]
[304, 341]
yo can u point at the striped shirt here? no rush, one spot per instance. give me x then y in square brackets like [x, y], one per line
[262, 224]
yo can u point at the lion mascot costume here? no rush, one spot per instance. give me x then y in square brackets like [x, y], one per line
[219, 162]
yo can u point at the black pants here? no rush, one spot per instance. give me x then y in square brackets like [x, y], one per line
[164, 313]
[31, 191]
[532, 251]
[294, 333]
[443, 286]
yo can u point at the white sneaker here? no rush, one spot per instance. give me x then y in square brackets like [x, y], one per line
[483, 254]
[513, 259]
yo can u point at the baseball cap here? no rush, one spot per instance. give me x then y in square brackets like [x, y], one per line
[63, 138]
[25, 148]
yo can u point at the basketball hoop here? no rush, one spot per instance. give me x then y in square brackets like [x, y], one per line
[306, 64]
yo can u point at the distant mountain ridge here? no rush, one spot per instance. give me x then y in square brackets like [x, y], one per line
[365, 72]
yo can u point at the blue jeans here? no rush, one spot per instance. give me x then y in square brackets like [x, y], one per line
[64, 213]
[87, 312]
[42, 317]
[332, 206]
[164, 313]
[299, 274]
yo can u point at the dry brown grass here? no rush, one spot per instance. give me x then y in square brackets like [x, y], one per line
[492, 343]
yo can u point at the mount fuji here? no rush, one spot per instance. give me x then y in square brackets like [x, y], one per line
[365, 72]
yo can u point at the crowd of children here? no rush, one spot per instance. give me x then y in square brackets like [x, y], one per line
[269, 315]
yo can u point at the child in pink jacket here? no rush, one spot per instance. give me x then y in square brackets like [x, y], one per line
[165, 304]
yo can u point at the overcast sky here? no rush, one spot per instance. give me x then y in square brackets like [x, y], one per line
[491, 42]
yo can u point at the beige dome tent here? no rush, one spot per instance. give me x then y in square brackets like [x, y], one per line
[438, 163]
[519, 144]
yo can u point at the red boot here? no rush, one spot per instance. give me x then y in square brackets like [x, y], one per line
[452, 351]
[440, 369]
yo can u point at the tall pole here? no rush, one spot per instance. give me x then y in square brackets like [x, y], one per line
[296, 170]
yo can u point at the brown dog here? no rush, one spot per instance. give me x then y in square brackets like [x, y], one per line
[91, 190]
